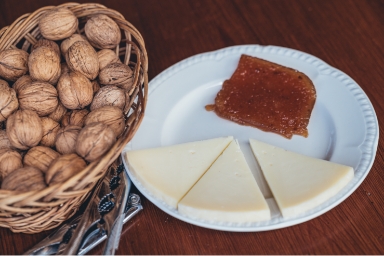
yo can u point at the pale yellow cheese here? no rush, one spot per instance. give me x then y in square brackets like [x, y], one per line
[299, 183]
[170, 172]
[227, 192]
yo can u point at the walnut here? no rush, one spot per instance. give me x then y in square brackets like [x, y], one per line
[70, 41]
[10, 160]
[22, 82]
[58, 23]
[40, 97]
[117, 74]
[24, 180]
[75, 90]
[109, 95]
[65, 119]
[47, 43]
[78, 117]
[96, 86]
[40, 157]
[86, 145]
[44, 65]
[58, 113]
[75, 117]
[63, 168]
[13, 64]
[102, 32]
[82, 57]
[4, 141]
[8, 100]
[109, 115]
[50, 129]
[107, 56]
[66, 139]
[24, 129]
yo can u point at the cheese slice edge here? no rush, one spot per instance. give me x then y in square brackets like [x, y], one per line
[299, 183]
[168, 173]
[227, 192]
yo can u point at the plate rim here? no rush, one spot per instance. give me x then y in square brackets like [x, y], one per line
[369, 144]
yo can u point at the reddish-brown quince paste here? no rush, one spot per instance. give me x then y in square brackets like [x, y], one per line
[267, 96]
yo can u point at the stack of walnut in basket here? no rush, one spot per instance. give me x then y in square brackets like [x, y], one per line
[62, 105]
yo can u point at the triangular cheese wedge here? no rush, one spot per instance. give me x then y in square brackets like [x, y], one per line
[299, 183]
[227, 192]
[169, 172]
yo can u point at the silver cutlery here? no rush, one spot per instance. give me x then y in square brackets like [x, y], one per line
[88, 229]
[50, 245]
[89, 218]
[114, 219]
[133, 207]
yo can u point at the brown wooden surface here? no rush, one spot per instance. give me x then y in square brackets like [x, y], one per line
[348, 35]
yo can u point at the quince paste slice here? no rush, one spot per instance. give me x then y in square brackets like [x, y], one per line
[267, 96]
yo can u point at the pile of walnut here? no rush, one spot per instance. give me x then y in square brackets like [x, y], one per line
[61, 107]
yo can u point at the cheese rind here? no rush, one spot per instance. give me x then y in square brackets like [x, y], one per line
[227, 192]
[299, 183]
[169, 172]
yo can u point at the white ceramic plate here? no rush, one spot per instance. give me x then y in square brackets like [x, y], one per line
[343, 127]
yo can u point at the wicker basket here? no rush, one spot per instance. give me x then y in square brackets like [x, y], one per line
[36, 211]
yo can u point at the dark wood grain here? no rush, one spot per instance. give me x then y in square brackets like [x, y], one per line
[347, 34]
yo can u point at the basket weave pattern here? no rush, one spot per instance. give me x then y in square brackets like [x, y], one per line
[36, 211]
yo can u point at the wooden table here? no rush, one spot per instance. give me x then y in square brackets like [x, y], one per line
[347, 34]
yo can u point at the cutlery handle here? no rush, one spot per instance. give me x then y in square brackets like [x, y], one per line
[133, 207]
[114, 237]
[86, 220]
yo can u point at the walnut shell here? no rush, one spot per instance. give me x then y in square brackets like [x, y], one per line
[10, 160]
[70, 41]
[47, 43]
[58, 113]
[44, 65]
[8, 100]
[58, 23]
[94, 140]
[96, 86]
[78, 117]
[107, 56]
[66, 139]
[82, 57]
[50, 129]
[109, 115]
[109, 95]
[65, 119]
[64, 167]
[24, 180]
[22, 82]
[75, 90]
[13, 64]
[117, 74]
[75, 117]
[40, 157]
[40, 97]
[4, 141]
[24, 129]
[102, 32]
